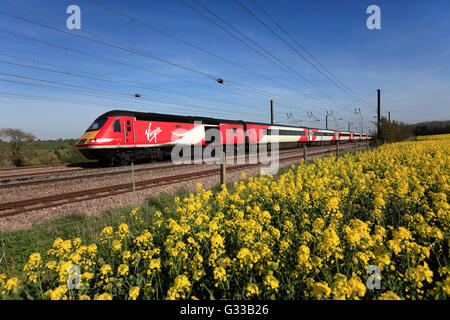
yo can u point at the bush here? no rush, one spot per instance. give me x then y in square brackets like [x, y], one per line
[313, 233]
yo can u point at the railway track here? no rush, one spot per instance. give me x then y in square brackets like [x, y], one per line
[27, 179]
[26, 176]
[13, 208]
[79, 177]
[33, 167]
[31, 175]
[7, 180]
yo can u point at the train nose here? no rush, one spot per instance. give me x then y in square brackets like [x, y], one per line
[87, 137]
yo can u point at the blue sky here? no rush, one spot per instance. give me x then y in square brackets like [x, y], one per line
[408, 59]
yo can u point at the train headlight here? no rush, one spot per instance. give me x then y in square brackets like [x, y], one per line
[101, 140]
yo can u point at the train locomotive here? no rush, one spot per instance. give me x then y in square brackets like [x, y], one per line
[120, 136]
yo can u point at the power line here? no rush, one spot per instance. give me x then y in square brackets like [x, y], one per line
[302, 47]
[235, 29]
[47, 16]
[361, 100]
[60, 21]
[122, 63]
[86, 38]
[80, 102]
[181, 40]
[290, 69]
[120, 81]
[140, 68]
[124, 48]
[295, 50]
[122, 44]
[110, 92]
[119, 48]
[253, 49]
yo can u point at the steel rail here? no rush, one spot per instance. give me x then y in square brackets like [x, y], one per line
[21, 206]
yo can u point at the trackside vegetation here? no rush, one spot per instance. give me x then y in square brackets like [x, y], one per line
[310, 233]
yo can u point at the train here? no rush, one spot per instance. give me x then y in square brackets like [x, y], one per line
[118, 137]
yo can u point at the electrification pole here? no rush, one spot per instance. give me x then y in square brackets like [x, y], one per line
[378, 114]
[271, 111]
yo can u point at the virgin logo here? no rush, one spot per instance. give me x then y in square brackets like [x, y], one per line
[152, 134]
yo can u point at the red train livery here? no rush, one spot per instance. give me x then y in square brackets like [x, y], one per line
[119, 136]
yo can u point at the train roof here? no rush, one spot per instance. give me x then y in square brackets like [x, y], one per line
[150, 116]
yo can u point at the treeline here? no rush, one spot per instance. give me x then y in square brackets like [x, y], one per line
[431, 127]
[394, 131]
[19, 148]
[398, 131]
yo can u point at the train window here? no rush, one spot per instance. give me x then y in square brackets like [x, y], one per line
[128, 128]
[292, 133]
[324, 134]
[116, 126]
[128, 122]
[234, 130]
[96, 125]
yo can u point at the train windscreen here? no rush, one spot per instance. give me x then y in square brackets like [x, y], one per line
[97, 124]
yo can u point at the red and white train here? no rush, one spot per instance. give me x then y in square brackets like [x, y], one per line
[119, 136]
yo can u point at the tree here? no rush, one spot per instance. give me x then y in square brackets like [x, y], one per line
[432, 127]
[394, 131]
[16, 140]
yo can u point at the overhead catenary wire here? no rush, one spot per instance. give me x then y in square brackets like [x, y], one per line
[26, 20]
[236, 30]
[360, 99]
[295, 50]
[122, 46]
[78, 102]
[302, 47]
[126, 64]
[98, 91]
[290, 70]
[142, 23]
[95, 94]
[123, 82]
[256, 91]
[21, 96]
[167, 105]
[77, 51]
[140, 68]
[196, 47]
[182, 41]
